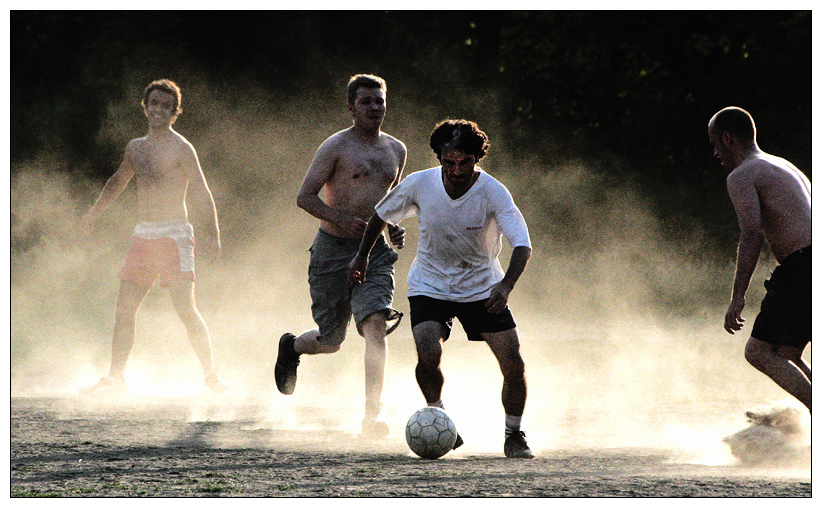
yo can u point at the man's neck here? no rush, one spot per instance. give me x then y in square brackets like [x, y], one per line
[159, 132]
[369, 135]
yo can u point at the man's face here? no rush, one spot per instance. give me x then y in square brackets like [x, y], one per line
[159, 108]
[722, 151]
[457, 166]
[368, 108]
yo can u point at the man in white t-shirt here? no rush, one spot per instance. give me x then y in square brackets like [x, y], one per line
[463, 213]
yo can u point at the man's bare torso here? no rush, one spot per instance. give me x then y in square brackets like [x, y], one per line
[160, 176]
[363, 173]
[784, 201]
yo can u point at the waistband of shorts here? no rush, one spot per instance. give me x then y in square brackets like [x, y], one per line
[797, 254]
[345, 242]
[163, 229]
[162, 223]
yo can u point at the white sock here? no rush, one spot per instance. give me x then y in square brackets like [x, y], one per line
[512, 424]
[438, 404]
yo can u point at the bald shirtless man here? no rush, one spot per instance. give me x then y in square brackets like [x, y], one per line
[164, 166]
[356, 167]
[772, 199]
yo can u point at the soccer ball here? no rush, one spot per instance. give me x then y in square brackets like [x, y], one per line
[430, 433]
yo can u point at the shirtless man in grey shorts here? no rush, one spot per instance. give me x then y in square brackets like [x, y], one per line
[772, 199]
[356, 167]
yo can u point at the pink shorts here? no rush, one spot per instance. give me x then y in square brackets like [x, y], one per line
[160, 249]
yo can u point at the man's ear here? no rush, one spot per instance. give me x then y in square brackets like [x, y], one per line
[727, 138]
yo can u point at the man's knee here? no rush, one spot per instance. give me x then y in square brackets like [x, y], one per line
[332, 342]
[757, 352]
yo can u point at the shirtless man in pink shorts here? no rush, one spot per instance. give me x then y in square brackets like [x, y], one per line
[772, 199]
[164, 166]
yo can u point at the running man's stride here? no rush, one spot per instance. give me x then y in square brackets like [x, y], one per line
[463, 213]
[772, 199]
[164, 166]
[356, 167]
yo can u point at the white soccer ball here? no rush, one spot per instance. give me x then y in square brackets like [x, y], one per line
[430, 433]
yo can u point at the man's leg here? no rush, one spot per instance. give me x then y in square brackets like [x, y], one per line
[308, 343]
[505, 346]
[784, 365]
[372, 328]
[428, 339]
[130, 298]
[182, 297]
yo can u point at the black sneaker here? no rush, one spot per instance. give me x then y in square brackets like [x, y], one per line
[459, 442]
[516, 447]
[285, 370]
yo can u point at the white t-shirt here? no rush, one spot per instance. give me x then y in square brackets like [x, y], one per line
[460, 239]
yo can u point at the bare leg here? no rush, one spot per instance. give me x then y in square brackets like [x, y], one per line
[505, 346]
[307, 343]
[428, 338]
[784, 365]
[130, 298]
[372, 329]
[182, 296]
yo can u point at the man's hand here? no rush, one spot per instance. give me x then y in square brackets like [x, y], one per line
[87, 222]
[212, 248]
[397, 236]
[733, 318]
[356, 270]
[499, 297]
[354, 227]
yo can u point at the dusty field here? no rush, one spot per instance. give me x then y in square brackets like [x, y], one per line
[179, 448]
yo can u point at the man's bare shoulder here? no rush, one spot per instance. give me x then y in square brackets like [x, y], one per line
[339, 140]
[395, 143]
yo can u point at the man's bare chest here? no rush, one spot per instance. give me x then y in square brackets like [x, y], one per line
[156, 164]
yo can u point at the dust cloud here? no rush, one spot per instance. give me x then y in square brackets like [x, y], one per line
[620, 324]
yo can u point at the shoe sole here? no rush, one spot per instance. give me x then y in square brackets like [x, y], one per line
[285, 377]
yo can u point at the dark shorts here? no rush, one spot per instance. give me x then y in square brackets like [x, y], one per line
[785, 316]
[332, 301]
[473, 316]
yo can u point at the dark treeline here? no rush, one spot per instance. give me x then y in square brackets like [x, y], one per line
[628, 91]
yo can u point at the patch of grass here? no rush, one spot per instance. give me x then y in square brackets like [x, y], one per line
[82, 490]
[216, 487]
[23, 492]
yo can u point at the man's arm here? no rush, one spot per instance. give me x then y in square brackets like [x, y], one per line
[745, 199]
[397, 233]
[201, 196]
[516, 266]
[308, 198]
[358, 265]
[111, 191]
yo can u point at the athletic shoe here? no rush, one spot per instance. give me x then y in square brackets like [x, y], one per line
[516, 447]
[374, 429]
[212, 380]
[106, 386]
[285, 370]
[459, 442]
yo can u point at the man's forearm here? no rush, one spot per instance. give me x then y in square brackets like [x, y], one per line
[750, 246]
[372, 231]
[517, 264]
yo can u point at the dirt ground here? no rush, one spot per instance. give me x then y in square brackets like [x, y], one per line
[78, 448]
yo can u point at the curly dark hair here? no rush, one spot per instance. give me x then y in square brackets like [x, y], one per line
[169, 87]
[463, 135]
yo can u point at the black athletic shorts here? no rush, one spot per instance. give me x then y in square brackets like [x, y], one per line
[785, 316]
[473, 316]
